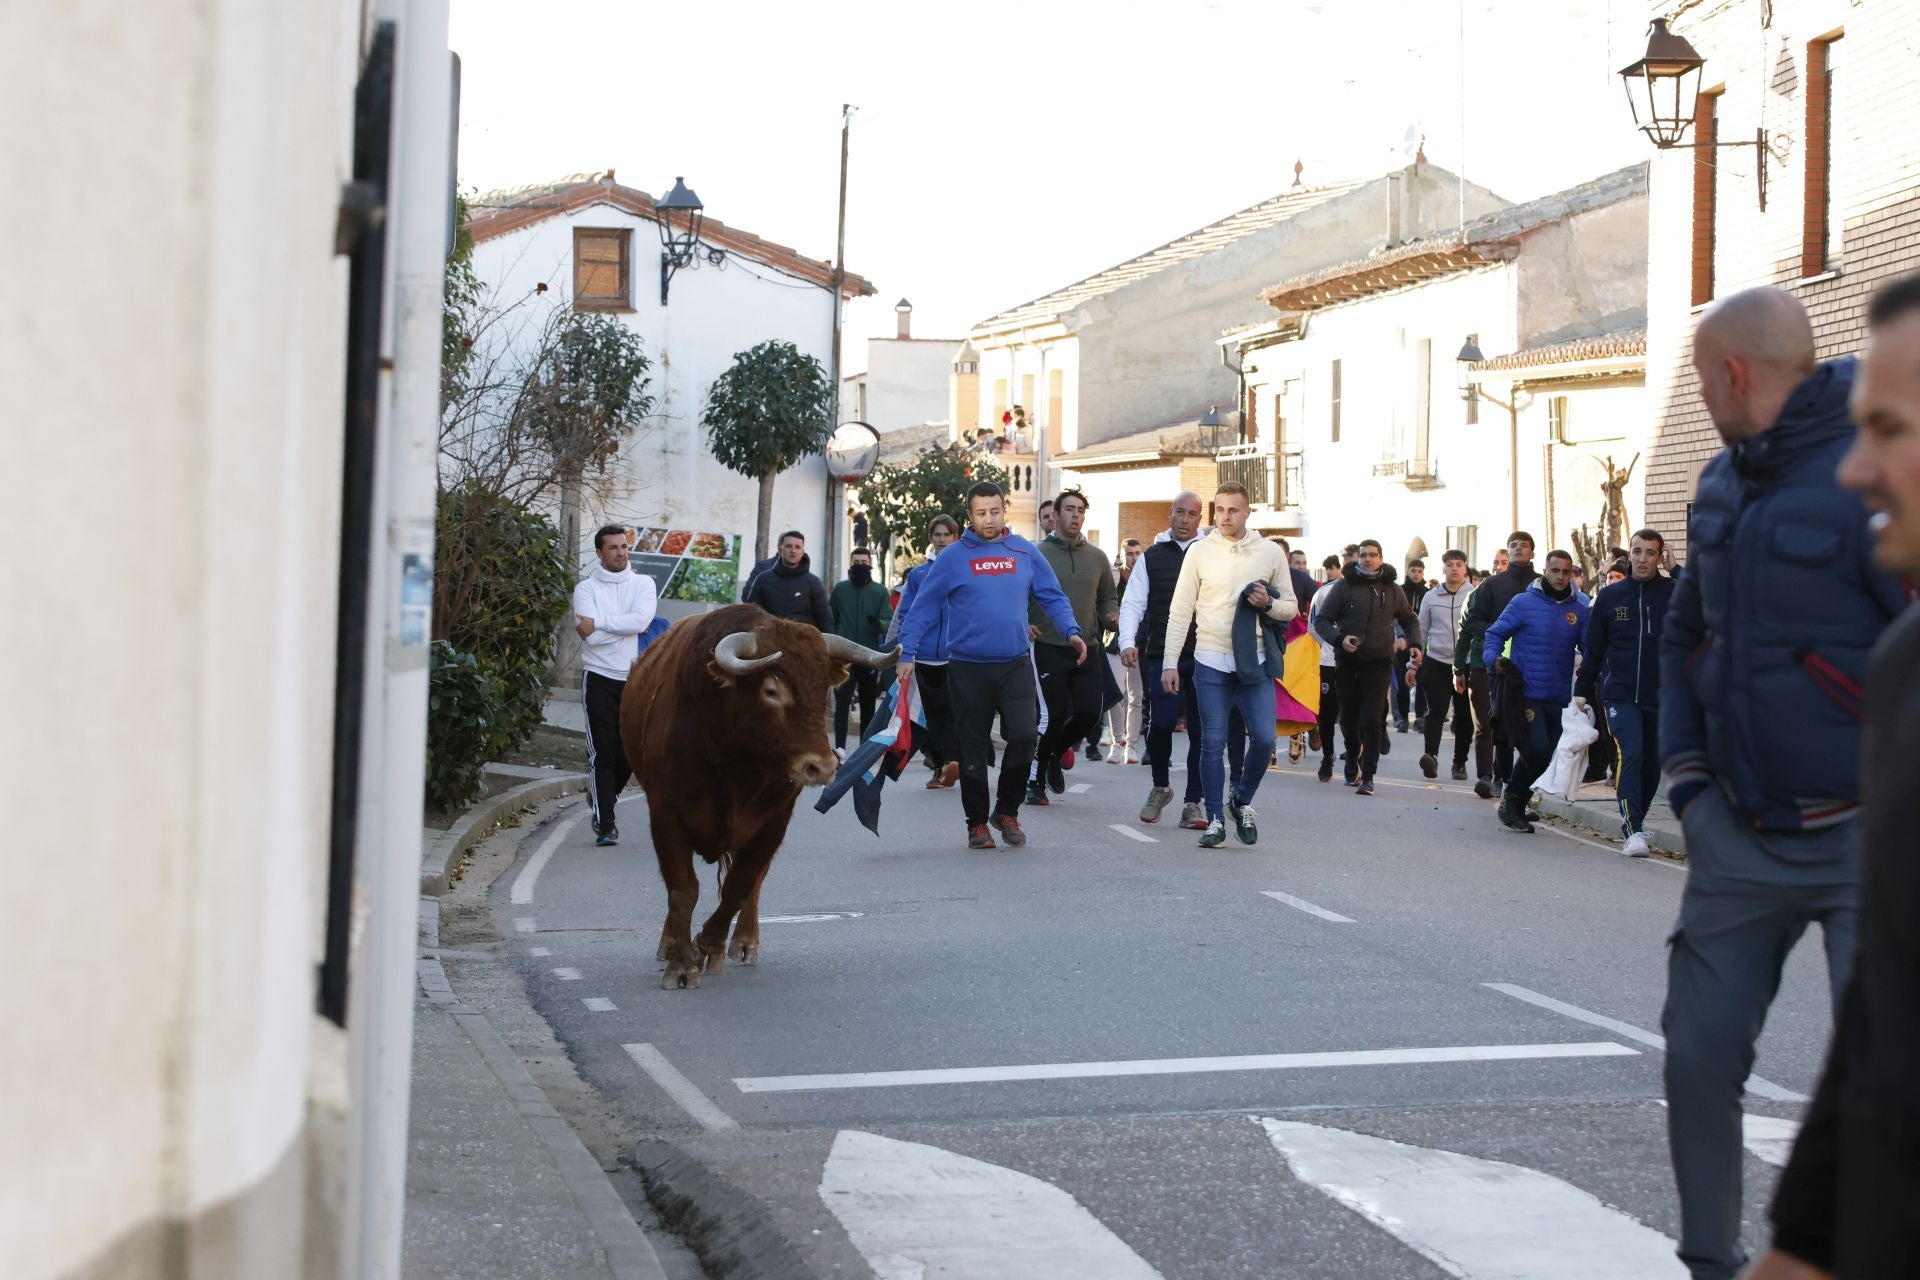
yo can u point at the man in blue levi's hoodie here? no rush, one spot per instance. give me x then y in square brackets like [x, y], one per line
[981, 586]
[1761, 667]
[1622, 665]
[1547, 622]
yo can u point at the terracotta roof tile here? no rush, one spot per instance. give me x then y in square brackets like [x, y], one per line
[1622, 344]
[497, 213]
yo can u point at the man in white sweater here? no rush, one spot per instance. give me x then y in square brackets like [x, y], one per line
[1231, 565]
[612, 607]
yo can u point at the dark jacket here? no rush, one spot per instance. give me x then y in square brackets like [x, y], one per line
[1259, 644]
[792, 593]
[1766, 640]
[861, 614]
[753, 576]
[1622, 657]
[1368, 608]
[1488, 601]
[1545, 633]
[1161, 563]
[1847, 1200]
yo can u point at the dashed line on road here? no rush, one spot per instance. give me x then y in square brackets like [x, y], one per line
[1301, 904]
[813, 917]
[1131, 834]
[600, 1004]
[1181, 1066]
[1755, 1084]
[567, 974]
[704, 1110]
[1080, 788]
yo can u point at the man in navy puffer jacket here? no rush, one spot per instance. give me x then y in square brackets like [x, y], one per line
[1622, 664]
[1761, 664]
[1547, 623]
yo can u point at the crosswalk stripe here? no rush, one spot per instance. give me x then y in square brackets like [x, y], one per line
[1475, 1219]
[916, 1211]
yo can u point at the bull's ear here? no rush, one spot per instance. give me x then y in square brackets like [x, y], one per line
[721, 676]
[837, 674]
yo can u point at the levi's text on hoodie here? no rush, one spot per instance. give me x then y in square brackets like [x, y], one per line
[980, 590]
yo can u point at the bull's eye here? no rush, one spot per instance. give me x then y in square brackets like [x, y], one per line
[774, 691]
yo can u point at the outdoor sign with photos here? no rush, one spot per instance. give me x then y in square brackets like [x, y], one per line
[688, 564]
[852, 452]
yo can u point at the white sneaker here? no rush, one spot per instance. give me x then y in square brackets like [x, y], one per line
[1636, 846]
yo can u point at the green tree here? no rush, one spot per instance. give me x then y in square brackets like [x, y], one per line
[900, 501]
[771, 408]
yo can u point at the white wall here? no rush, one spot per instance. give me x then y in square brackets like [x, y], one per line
[174, 505]
[666, 475]
[905, 381]
[1375, 340]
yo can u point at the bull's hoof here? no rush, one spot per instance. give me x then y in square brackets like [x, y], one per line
[746, 952]
[713, 961]
[680, 976]
[661, 954]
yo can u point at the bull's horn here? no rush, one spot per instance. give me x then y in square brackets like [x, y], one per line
[731, 654]
[847, 651]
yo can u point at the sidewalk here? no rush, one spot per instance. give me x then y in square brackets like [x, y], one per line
[499, 1187]
[1596, 810]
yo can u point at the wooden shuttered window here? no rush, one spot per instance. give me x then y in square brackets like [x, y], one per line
[1706, 130]
[1819, 241]
[602, 269]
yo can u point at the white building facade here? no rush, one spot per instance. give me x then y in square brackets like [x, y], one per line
[665, 477]
[906, 381]
[1357, 420]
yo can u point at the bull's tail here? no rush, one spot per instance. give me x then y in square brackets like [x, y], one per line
[722, 866]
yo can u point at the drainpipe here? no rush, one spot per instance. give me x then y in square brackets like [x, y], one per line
[380, 1021]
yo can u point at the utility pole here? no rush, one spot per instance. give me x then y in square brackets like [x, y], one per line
[834, 488]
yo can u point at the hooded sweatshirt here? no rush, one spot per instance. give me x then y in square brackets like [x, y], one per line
[1086, 576]
[622, 606]
[1216, 570]
[982, 590]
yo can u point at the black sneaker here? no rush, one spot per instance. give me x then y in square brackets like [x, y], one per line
[1245, 821]
[1399, 726]
[1055, 776]
[1037, 794]
[1460, 773]
[1532, 814]
[1484, 788]
[1326, 770]
[1215, 835]
[1386, 745]
[1094, 753]
[1429, 766]
[1419, 724]
[1513, 819]
[1352, 773]
[1365, 788]
[611, 835]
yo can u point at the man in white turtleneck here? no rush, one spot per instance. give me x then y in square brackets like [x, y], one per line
[613, 606]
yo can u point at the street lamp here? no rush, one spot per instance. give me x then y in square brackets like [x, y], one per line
[1667, 76]
[681, 217]
[1470, 390]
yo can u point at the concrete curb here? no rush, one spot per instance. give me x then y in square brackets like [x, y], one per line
[731, 1231]
[443, 852]
[1606, 822]
[628, 1252]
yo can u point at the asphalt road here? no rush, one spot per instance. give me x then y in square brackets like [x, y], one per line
[1136, 1057]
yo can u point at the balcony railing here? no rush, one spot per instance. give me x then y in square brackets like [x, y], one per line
[1272, 480]
[1415, 473]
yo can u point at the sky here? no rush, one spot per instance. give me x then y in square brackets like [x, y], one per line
[1001, 149]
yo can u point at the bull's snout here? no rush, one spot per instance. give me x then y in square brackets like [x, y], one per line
[814, 769]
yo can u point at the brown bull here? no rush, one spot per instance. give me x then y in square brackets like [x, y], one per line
[724, 721]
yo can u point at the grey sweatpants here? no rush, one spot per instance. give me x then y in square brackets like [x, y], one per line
[1749, 896]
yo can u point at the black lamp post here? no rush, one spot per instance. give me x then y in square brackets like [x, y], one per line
[1666, 80]
[1470, 390]
[681, 217]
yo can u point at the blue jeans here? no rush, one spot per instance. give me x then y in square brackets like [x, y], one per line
[1637, 730]
[1220, 694]
[1164, 711]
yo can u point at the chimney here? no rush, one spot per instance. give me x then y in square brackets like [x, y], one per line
[903, 312]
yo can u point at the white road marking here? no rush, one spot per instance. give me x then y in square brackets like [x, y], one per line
[1301, 904]
[916, 1211]
[1131, 834]
[600, 1004]
[1473, 1218]
[1181, 1066]
[530, 874]
[703, 1109]
[523, 924]
[1080, 788]
[813, 917]
[1604, 847]
[567, 974]
[539, 951]
[1755, 1084]
[1769, 1138]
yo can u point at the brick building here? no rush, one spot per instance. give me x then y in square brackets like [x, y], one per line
[1836, 86]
